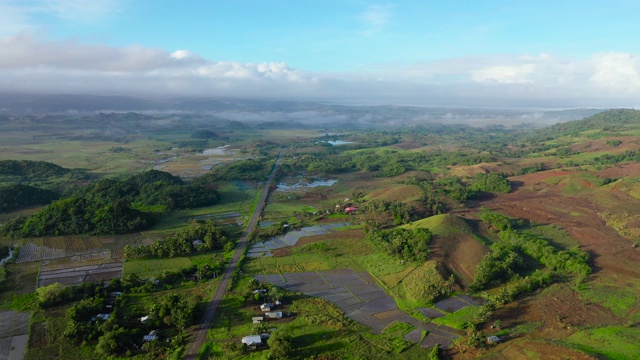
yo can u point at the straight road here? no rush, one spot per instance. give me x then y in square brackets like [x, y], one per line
[200, 334]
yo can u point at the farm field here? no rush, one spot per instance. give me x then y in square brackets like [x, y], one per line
[58, 247]
[354, 283]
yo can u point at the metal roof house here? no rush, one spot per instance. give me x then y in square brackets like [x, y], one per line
[274, 315]
[252, 340]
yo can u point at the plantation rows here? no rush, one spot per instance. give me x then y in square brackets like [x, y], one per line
[57, 247]
[74, 275]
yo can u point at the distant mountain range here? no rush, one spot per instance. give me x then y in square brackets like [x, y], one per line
[247, 110]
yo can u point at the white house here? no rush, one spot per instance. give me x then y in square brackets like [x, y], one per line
[274, 315]
[252, 340]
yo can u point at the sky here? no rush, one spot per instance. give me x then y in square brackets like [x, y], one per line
[467, 53]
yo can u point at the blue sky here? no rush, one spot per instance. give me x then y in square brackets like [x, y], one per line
[467, 53]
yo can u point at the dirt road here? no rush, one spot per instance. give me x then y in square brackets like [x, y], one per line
[200, 335]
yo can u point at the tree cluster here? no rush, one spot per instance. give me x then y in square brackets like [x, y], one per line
[530, 262]
[182, 243]
[409, 245]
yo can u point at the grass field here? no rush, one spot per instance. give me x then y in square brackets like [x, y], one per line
[154, 267]
[442, 225]
[615, 342]
[459, 318]
[622, 299]
[554, 235]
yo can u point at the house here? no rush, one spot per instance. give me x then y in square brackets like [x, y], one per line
[252, 340]
[266, 307]
[274, 315]
[197, 242]
[493, 339]
[144, 319]
[257, 319]
[115, 293]
[350, 209]
[259, 291]
[153, 335]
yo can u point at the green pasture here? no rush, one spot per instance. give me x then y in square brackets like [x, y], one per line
[554, 235]
[154, 267]
[458, 319]
[622, 299]
[442, 225]
[614, 342]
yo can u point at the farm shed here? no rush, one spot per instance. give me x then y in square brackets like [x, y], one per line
[274, 315]
[252, 340]
[350, 209]
[257, 319]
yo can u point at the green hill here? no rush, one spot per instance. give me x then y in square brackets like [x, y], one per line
[607, 123]
[442, 225]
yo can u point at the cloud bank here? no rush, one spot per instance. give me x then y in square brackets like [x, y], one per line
[28, 64]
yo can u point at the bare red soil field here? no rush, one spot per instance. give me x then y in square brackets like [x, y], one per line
[558, 310]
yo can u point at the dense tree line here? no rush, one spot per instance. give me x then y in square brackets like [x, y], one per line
[16, 196]
[181, 243]
[112, 206]
[409, 245]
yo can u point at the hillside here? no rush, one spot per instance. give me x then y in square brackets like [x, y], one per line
[454, 245]
[608, 123]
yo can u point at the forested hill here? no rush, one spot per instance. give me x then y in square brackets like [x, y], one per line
[608, 123]
[31, 169]
[113, 206]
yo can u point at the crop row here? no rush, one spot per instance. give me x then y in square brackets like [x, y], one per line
[57, 247]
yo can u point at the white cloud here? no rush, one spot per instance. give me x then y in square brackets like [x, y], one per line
[504, 74]
[607, 79]
[617, 72]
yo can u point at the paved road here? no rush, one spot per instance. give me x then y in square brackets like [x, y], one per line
[200, 335]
